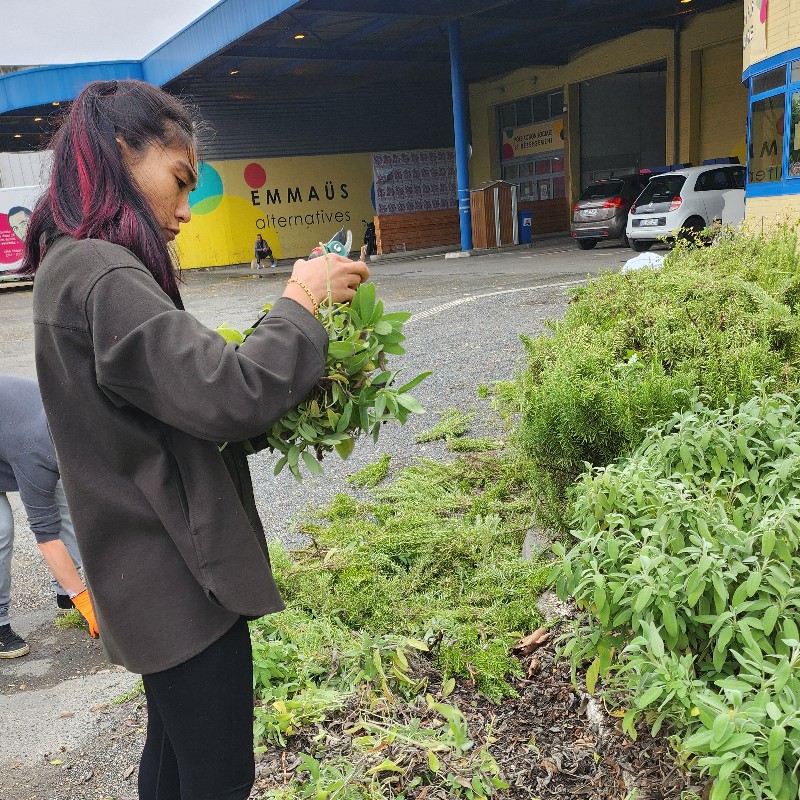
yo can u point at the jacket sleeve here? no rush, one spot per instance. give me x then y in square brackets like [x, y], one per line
[163, 361]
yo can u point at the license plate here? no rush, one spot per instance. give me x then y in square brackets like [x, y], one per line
[589, 212]
[649, 222]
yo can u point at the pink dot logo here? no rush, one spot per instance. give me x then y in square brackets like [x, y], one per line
[508, 150]
[254, 175]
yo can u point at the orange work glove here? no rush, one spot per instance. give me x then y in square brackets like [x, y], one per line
[83, 603]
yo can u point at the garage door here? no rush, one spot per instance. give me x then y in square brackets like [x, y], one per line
[723, 104]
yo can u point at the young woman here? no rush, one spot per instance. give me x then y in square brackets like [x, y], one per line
[137, 394]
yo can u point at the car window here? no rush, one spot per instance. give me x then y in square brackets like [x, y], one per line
[661, 189]
[736, 177]
[712, 180]
[600, 191]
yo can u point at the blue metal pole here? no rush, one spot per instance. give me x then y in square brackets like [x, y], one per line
[461, 136]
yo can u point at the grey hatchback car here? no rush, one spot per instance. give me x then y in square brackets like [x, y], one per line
[602, 210]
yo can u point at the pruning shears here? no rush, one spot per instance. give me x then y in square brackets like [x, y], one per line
[339, 245]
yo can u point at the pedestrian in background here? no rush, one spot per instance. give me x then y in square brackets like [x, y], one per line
[138, 394]
[28, 466]
[263, 251]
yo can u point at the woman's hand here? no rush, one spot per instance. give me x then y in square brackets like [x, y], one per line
[345, 277]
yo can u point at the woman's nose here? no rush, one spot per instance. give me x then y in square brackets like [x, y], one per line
[183, 212]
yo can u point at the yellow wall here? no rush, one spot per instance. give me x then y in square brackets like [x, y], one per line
[701, 33]
[765, 212]
[294, 203]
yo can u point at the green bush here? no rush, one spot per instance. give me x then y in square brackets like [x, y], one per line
[687, 563]
[631, 349]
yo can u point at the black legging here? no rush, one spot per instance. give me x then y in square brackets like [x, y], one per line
[200, 725]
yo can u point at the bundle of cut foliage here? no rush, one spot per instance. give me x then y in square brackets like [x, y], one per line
[631, 349]
[434, 554]
[687, 564]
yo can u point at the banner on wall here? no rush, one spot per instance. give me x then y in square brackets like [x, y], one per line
[294, 203]
[754, 37]
[16, 205]
[414, 180]
[528, 140]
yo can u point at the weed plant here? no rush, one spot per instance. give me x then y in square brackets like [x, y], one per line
[687, 563]
[631, 349]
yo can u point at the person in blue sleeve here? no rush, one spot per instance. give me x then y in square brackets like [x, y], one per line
[28, 466]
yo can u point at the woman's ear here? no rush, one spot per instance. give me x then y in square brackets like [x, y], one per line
[125, 149]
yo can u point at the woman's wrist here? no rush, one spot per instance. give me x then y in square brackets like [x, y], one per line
[294, 291]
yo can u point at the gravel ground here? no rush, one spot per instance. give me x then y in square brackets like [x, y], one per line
[468, 315]
[466, 346]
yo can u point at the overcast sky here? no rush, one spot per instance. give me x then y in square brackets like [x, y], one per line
[70, 31]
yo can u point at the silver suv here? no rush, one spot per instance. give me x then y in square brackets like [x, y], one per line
[684, 202]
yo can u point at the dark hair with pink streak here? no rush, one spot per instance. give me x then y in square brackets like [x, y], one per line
[91, 194]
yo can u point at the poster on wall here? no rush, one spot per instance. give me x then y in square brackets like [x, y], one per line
[754, 37]
[16, 205]
[408, 181]
[294, 203]
[530, 140]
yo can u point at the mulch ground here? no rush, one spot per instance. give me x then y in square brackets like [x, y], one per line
[552, 742]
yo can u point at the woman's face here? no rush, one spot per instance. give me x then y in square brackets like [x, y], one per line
[165, 175]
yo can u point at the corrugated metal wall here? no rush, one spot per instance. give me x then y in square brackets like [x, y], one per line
[360, 120]
[723, 102]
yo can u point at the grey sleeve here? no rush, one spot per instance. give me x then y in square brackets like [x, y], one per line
[37, 486]
[152, 356]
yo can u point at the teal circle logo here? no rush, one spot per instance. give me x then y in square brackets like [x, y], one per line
[207, 195]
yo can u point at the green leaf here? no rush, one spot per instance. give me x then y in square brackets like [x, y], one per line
[345, 448]
[592, 674]
[433, 762]
[410, 403]
[777, 740]
[642, 599]
[280, 465]
[230, 334]
[311, 463]
[407, 387]
[649, 696]
[341, 350]
[382, 328]
[721, 789]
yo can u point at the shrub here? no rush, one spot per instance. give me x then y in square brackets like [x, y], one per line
[687, 563]
[631, 348]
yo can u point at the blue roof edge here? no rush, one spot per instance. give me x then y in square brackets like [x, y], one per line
[39, 85]
[222, 24]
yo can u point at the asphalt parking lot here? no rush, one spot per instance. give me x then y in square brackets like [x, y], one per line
[467, 314]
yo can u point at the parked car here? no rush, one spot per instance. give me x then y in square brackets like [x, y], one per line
[684, 202]
[602, 210]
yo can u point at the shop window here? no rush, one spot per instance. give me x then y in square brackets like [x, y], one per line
[541, 107]
[766, 139]
[508, 116]
[795, 78]
[794, 136]
[773, 79]
[557, 104]
[524, 112]
[543, 166]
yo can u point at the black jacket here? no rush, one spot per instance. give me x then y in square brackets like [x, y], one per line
[137, 394]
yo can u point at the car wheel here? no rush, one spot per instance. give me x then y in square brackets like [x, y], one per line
[586, 244]
[640, 246]
[690, 231]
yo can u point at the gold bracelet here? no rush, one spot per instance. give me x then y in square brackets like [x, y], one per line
[305, 288]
